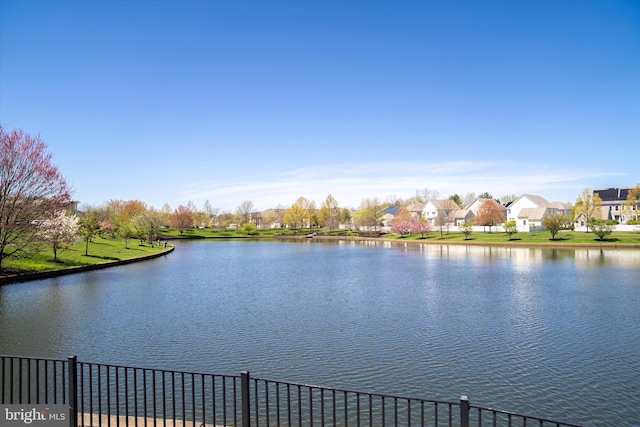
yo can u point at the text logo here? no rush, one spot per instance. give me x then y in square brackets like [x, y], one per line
[34, 415]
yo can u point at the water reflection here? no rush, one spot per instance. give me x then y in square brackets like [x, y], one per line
[519, 328]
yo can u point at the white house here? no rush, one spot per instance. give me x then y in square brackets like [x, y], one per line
[462, 215]
[440, 207]
[528, 211]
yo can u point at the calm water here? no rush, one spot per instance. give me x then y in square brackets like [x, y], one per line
[550, 332]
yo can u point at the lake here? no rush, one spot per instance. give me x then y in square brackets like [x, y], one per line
[551, 332]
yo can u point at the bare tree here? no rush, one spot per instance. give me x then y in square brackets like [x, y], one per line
[468, 198]
[244, 211]
[427, 194]
[330, 213]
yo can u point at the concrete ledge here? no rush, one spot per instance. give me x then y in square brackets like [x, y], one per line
[15, 278]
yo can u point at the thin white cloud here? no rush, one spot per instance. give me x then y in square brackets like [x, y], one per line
[350, 183]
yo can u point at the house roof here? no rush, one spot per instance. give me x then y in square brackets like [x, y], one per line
[612, 194]
[416, 207]
[533, 214]
[560, 206]
[537, 200]
[393, 209]
[462, 213]
[443, 204]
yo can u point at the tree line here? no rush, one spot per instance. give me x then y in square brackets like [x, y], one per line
[35, 202]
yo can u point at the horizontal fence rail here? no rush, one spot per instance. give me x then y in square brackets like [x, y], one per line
[116, 395]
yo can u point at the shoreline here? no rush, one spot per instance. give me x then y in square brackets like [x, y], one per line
[472, 243]
[27, 277]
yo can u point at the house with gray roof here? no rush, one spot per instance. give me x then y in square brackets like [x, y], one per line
[613, 200]
[529, 210]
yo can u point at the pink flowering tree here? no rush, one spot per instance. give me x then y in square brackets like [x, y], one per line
[32, 189]
[422, 227]
[402, 226]
[402, 222]
[106, 227]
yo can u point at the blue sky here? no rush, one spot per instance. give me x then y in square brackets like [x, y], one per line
[172, 101]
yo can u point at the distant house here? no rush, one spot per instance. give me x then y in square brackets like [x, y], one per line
[562, 208]
[416, 210]
[528, 211]
[475, 206]
[388, 214]
[442, 207]
[613, 200]
[462, 215]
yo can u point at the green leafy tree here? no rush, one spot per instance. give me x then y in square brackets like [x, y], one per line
[457, 199]
[510, 227]
[89, 226]
[295, 217]
[631, 207]
[147, 224]
[345, 216]
[554, 223]
[368, 214]
[125, 231]
[589, 205]
[602, 228]
[467, 228]
[248, 228]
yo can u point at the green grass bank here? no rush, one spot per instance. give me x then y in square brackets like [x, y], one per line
[102, 252]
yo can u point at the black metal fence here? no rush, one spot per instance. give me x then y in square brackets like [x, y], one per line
[115, 395]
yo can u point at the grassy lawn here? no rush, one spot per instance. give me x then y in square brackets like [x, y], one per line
[536, 237]
[100, 250]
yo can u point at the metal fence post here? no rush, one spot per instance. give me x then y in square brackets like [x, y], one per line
[246, 405]
[73, 391]
[464, 411]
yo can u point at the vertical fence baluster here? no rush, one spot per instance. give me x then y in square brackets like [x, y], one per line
[81, 387]
[266, 402]
[135, 394]
[91, 395]
[322, 406]
[289, 403]
[464, 411]
[193, 400]
[246, 403]
[73, 390]
[278, 404]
